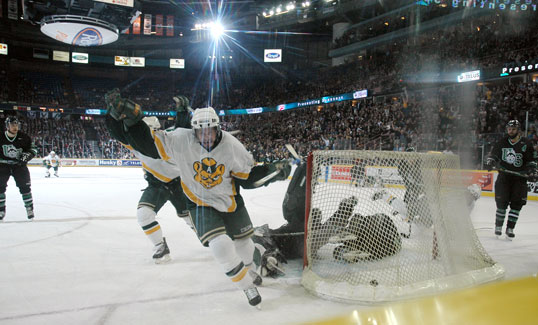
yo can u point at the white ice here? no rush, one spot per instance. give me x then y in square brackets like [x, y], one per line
[85, 260]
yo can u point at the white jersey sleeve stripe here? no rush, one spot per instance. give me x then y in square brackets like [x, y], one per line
[160, 146]
[156, 174]
[240, 175]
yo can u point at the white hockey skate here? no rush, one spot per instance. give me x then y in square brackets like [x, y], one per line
[30, 213]
[2, 215]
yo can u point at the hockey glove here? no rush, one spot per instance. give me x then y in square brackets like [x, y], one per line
[272, 261]
[122, 109]
[182, 104]
[532, 174]
[491, 163]
[25, 158]
[284, 167]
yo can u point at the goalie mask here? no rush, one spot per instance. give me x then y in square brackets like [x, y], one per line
[206, 126]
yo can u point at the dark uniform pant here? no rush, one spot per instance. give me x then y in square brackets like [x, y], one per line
[510, 190]
[21, 174]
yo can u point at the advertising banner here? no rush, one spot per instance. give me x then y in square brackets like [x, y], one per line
[147, 24]
[177, 64]
[169, 25]
[272, 55]
[469, 76]
[60, 56]
[159, 25]
[122, 61]
[137, 62]
[136, 26]
[3, 49]
[126, 3]
[78, 57]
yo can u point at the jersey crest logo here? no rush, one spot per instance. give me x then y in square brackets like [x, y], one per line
[11, 151]
[208, 173]
[511, 157]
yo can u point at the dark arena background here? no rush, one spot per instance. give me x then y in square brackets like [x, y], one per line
[368, 79]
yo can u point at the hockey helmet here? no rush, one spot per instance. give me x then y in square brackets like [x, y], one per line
[513, 124]
[52, 153]
[12, 120]
[205, 118]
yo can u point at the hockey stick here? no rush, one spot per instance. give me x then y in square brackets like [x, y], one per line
[288, 234]
[262, 181]
[511, 172]
[293, 152]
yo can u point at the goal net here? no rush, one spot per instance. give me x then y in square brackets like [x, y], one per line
[384, 226]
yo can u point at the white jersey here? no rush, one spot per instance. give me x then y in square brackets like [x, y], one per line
[52, 161]
[207, 178]
[162, 170]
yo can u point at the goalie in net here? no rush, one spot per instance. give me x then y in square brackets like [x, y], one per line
[346, 236]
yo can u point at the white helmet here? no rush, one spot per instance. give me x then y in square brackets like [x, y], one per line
[52, 153]
[205, 118]
[152, 122]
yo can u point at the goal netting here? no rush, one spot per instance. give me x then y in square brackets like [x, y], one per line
[384, 226]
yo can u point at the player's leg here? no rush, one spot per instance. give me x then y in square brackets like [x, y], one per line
[395, 202]
[151, 201]
[22, 179]
[56, 171]
[47, 172]
[180, 203]
[5, 173]
[518, 199]
[502, 198]
[211, 231]
[239, 228]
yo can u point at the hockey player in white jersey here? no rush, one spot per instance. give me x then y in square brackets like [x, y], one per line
[163, 183]
[213, 166]
[51, 161]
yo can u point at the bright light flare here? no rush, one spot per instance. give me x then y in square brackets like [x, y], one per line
[217, 30]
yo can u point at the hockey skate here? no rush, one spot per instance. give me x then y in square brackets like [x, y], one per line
[47, 175]
[253, 296]
[162, 253]
[56, 174]
[510, 233]
[30, 213]
[2, 215]
[498, 231]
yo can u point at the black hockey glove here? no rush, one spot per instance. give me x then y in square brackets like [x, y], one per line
[122, 109]
[182, 104]
[272, 261]
[284, 167]
[25, 158]
[491, 163]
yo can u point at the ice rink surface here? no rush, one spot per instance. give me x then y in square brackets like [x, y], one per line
[85, 260]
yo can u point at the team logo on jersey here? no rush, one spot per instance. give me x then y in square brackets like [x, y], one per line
[11, 151]
[510, 156]
[208, 173]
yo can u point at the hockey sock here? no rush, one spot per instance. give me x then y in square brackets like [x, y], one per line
[2, 201]
[224, 252]
[28, 201]
[513, 215]
[150, 226]
[245, 249]
[499, 217]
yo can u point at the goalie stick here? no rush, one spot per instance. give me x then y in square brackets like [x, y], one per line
[262, 181]
[293, 152]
